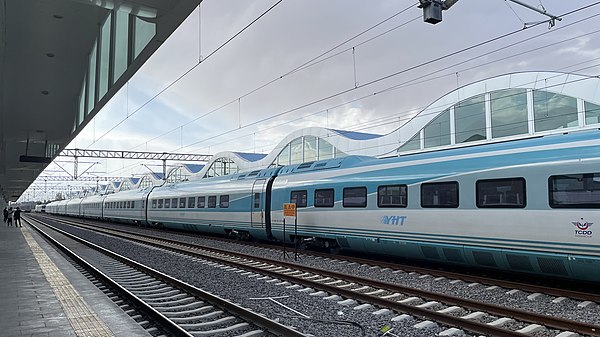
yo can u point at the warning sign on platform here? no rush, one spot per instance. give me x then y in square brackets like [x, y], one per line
[289, 210]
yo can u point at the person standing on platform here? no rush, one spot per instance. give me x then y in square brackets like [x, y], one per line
[9, 218]
[5, 215]
[17, 217]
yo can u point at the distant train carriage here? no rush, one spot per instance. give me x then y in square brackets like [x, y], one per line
[57, 207]
[91, 207]
[73, 207]
[222, 205]
[127, 206]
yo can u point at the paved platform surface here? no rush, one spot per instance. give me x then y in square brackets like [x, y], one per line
[43, 295]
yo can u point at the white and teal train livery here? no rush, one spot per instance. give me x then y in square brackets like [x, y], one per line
[529, 205]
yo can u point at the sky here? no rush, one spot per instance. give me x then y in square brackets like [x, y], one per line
[305, 63]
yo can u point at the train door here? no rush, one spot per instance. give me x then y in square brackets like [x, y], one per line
[258, 203]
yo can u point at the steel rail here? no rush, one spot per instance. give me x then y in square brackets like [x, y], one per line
[579, 295]
[248, 315]
[163, 321]
[553, 322]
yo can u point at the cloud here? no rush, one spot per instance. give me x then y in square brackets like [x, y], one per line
[200, 112]
[582, 48]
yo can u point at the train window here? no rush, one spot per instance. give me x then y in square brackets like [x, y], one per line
[133, 204]
[439, 195]
[574, 190]
[192, 202]
[501, 193]
[127, 204]
[181, 202]
[392, 196]
[299, 198]
[212, 201]
[174, 203]
[354, 197]
[256, 200]
[224, 201]
[201, 202]
[324, 198]
[160, 203]
[167, 203]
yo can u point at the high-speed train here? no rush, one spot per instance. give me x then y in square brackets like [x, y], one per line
[529, 205]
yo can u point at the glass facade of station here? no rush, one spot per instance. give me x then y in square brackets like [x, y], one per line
[121, 38]
[145, 182]
[178, 174]
[125, 185]
[306, 149]
[503, 113]
[221, 167]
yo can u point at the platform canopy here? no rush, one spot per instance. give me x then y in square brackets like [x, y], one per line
[60, 62]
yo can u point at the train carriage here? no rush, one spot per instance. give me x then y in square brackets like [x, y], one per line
[222, 205]
[73, 207]
[126, 206]
[524, 206]
[91, 206]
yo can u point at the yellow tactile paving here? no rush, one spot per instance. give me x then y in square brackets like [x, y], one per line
[83, 320]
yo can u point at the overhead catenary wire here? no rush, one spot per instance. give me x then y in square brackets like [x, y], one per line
[374, 81]
[435, 110]
[385, 77]
[200, 61]
[395, 117]
[305, 65]
[571, 12]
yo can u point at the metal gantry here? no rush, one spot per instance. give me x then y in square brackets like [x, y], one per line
[110, 154]
[86, 178]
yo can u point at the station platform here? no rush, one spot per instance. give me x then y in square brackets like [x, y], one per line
[42, 294]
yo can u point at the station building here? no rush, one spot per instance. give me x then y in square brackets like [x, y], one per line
[498, 109]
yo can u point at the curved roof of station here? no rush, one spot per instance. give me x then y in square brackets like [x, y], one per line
[579, 89]
[576, 97]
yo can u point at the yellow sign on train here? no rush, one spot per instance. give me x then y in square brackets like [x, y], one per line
[289, 210]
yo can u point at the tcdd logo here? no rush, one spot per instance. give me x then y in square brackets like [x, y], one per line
[397, 220]
[582, 228]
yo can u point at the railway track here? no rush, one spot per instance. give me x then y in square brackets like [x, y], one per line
[455, 312]
[163, 304]
[421, 271]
